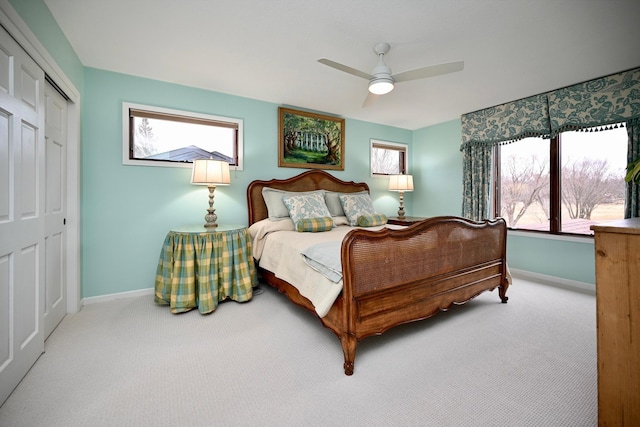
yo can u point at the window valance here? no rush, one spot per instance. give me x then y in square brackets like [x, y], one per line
[507, 122]
[599, 102]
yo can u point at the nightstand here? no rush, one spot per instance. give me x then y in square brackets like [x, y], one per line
[407, 220]
[200, 267]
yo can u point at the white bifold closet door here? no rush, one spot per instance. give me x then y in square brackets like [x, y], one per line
[55, 296]
[22, 213]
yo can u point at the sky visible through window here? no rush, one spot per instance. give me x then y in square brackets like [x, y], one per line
[170, 135]
[580, 146]
[599, 146]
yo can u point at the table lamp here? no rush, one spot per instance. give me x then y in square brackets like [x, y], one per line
[210, 172]
[401, 183]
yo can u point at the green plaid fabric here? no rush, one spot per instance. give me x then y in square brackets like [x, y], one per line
[371, 220]
[201, 269]
[314, 225]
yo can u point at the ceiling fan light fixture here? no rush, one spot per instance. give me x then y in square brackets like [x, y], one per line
[381, 85]
[382, 80]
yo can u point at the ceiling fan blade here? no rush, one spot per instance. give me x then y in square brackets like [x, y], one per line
[345, 68]
[432, 71]
[369, 100]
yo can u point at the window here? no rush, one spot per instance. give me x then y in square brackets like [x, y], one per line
[388, 158]
[163, 137]
[562, 185]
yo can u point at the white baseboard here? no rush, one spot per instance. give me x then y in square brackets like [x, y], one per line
[522, 274]
[573, 285]
[120, 295]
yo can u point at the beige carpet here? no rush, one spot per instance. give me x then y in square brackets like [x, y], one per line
[531, 362]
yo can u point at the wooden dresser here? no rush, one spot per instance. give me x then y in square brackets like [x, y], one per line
[617, 248]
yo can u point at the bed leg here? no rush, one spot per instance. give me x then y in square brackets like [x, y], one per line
[349, 344]
[502, 291]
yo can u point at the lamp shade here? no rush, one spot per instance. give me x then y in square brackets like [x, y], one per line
[401, 183]
[210, 172]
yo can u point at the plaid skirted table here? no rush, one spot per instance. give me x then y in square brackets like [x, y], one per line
[200, 267]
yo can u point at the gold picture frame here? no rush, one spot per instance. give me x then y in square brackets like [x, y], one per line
[310, 140]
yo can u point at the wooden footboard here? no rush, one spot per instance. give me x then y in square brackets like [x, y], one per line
[392, 277]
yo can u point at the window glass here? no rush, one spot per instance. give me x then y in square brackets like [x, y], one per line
[163, 137]
[388, 158]
[562, 185]
[592, 178]
[524, 189]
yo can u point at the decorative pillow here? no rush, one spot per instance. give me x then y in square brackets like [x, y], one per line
[314, 225]
[356, 205]
[372, 220]
[276, 209]
[306, 206]
[333, 201]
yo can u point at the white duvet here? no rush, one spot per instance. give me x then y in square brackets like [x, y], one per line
[278, 248]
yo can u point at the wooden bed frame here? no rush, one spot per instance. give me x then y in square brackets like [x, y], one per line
[391, 277]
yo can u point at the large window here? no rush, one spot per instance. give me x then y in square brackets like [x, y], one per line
[388, 158]
[562, 185]
[164, 137]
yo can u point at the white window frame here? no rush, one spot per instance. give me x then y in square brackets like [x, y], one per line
[126, 160]
[392, 145]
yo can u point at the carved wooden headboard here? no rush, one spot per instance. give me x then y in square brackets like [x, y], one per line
[306, 181]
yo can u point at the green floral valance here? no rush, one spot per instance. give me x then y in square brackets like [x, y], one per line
[599, 102]
[507, 122]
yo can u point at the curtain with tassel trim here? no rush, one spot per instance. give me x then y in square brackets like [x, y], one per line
[508, 122]
[596, 103]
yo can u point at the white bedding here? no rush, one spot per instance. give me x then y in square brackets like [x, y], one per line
[279, 249]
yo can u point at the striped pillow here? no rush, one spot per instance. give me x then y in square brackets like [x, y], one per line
[371, 220]
[314, 225]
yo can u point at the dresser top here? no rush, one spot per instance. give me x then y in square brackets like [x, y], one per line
[623, 226]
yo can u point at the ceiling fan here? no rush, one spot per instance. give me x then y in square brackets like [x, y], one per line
[381, 81]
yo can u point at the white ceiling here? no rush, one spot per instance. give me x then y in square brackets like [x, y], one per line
[268, 49]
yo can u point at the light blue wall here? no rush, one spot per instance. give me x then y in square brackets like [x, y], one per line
[437, 169]
[127, 210]
[438, 166]
[560, 258]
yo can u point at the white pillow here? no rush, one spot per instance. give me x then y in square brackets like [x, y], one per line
[333, 201]
[356, 205]
[276, 209]
[340, 220]
[306, 207]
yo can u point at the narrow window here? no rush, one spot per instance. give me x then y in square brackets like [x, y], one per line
[388, 158]
[163, 137]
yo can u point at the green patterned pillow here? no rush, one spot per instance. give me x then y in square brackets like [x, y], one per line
[305, 207]
[314, 225]
[372, 220]
[332, 199]
[356, 205]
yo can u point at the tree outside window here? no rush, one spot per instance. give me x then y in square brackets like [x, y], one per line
[388, 158]
[565, 184]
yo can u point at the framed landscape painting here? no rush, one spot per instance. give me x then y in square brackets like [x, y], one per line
[310, 140]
